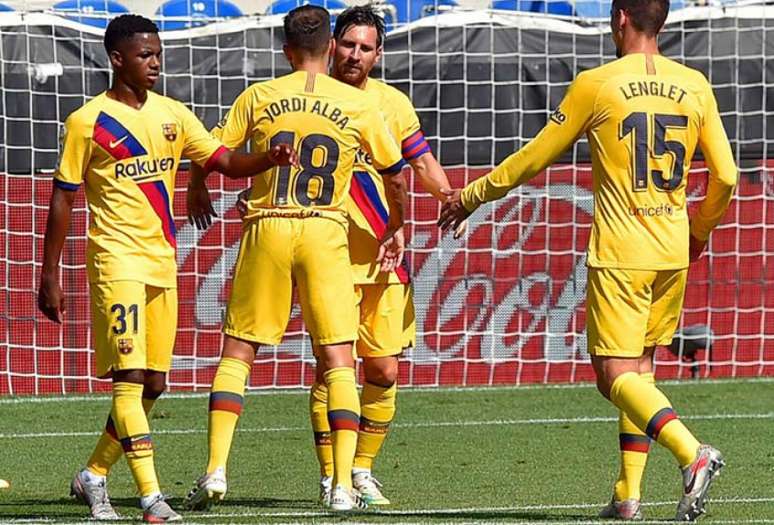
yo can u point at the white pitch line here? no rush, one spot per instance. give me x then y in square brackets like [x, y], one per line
[449, 512]
[405, 390]
[429, 424]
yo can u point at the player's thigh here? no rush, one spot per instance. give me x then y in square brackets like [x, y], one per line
[119, 325]
[161, 327]
[323, 276]
[386, 327]
[668, 296]
[617, 310]
[262, 288]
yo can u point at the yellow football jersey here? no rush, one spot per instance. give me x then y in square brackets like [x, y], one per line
[327, 121]
[367, 206]
[643, 116]
[128, 159]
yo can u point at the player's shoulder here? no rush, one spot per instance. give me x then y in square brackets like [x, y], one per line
[393, 96]
[86, 116]
[686, 73]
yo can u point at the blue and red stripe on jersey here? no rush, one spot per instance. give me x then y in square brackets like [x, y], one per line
[116, 139]
[366, 196]
[634, 442]
[343, 420]
[414, 146]
[657, 422]
[227, 402]
[157, 195]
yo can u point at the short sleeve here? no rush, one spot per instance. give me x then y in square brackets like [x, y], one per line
[413, 143]
[236, 128]
[75, 148]
[377, 140]
[199, 146]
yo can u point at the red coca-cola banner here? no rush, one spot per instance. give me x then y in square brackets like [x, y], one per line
[504, 305]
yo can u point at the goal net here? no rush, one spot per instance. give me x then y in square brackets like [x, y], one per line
[505, 304]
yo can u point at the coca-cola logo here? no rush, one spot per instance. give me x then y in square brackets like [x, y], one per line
[510, 288]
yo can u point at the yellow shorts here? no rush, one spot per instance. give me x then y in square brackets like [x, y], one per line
[134, 326]
[387, 322]
[277, 252]
[628, 310]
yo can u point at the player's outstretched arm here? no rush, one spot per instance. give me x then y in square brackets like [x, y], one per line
[50, 295]
[433, 179]
[564, 127]
[237, 165]
[392, 243]
[722, 177]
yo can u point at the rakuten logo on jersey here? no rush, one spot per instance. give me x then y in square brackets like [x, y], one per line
[143, 168]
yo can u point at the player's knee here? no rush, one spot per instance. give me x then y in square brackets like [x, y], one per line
[382, 371]
[155, 384]
[135, 376]
[603, 386]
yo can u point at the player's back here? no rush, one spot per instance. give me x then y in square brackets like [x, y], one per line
[649, 113]
[326, 120]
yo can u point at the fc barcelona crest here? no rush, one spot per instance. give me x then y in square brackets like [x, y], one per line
[125, 346]
[170, 131]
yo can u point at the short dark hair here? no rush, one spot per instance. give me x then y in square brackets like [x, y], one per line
[360, 15]
[125, 27]
[308, 28]
[647, 16]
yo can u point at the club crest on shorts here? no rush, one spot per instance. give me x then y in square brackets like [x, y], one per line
[125, 346]
[170, 131]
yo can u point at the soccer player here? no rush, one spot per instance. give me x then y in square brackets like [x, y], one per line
[126, 146]
[643, 115]
[387, 323]
[296, 232]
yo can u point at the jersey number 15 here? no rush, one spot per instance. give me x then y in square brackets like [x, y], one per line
[637, 124]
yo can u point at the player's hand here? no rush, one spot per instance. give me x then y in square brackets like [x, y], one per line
[51, 299]
[391, 249]
[695, 248]
[461, 230]
[241, 204]
[453, 213]
[199, 204]
[283, 155]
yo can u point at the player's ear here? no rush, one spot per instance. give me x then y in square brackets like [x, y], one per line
[116, 58]
[379, 51]
[288, 54]
[331, 47]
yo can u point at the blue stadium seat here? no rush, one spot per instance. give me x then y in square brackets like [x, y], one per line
[551, 7]
[280, 7]
[4, 7]
[95, 13]
[191, 13]
[601, 8]
[407, 11]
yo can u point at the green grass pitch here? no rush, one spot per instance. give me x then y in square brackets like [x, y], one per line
[539, 454]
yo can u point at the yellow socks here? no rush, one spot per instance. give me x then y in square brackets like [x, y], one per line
[377, 406]
[634, 446]
[226, 400]
[650, 410]
[318, 411]
[108, 450]
[344, 420]
[132, 429]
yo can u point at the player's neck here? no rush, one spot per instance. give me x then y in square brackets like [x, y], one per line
[315, 66]
[640, 44]
[134, 97]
